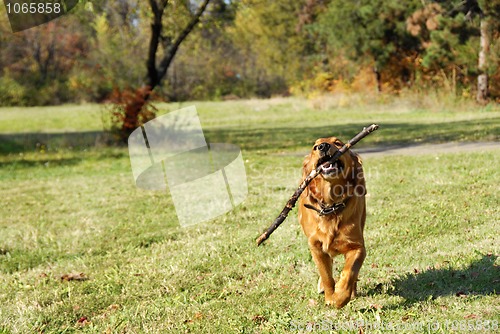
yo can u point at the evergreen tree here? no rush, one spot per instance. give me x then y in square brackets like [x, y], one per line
[369, 32]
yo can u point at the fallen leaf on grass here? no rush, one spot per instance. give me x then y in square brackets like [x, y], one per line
[462, 294]
[83, 321]
[312, 302]
[259, 319]
[197, 316]
[74, 277]
[470, 316]
[113, 307]
[376, 306]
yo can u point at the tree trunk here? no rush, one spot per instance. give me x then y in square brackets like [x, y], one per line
[157, 73]
[482, 78]
[378, 78]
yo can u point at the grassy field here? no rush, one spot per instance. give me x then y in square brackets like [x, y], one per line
[83, 250]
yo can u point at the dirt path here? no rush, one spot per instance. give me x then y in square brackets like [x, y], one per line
[429, 149]
[418, 149]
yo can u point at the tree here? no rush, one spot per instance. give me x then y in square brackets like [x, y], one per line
[211, 52]
[489, 11]
[164, 43]
[449, 30]
[270, 49]
[40, 59]
[119, 39]
[369, 32]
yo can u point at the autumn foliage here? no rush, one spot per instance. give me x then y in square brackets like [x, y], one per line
[130, 108]
[250, 48]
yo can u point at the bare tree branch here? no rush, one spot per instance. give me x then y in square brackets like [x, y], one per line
[170, 54]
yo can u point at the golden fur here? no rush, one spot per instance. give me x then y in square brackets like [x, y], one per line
[337, 233]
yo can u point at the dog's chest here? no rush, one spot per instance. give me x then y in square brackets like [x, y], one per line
[328, 233]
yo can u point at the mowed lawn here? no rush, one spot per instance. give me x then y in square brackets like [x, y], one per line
[83, 250]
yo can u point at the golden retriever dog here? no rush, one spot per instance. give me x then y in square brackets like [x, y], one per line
[332, 213]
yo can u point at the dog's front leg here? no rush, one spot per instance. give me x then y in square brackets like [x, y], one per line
[324, 263]
[346, 286]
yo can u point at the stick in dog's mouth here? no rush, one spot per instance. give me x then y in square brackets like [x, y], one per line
[332, 168]
[329, 168]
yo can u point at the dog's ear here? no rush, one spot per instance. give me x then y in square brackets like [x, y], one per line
[357, 159]
[307, 166]
[358, 166]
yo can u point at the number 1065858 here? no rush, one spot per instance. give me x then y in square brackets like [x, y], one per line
[34, 8]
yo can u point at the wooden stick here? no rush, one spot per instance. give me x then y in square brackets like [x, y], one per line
[291, 202]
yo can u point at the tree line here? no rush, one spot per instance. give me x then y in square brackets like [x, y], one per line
[128, 51]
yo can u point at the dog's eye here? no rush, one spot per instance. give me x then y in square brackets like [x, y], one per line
[315, 147]
[338, 143]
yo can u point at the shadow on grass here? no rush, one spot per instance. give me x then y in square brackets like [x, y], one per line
[25, 142]
[480, 278]
[282, 138]
[46, 161]
[389, 134]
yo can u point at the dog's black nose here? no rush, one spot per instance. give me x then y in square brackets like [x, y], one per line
[324, 147]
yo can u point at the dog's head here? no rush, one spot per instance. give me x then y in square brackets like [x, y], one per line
[347, 169]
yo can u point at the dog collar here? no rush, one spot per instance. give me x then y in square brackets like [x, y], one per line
[326, 210]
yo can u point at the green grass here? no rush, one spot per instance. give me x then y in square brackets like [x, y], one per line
[50, 119]
[431, 232]
[280, 124]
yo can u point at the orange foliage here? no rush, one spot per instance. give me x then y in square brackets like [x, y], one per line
[365, 81]
[131, 108]
[423, 21]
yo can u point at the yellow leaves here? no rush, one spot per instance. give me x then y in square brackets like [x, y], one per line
[101, 25]
[89, 6]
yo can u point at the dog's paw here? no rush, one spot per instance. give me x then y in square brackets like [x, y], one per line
[341, 298]
[321, 288]
[329, 300]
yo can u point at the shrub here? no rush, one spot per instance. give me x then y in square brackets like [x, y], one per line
[11, 92]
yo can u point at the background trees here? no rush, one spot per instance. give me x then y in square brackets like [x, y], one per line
[246, 48]
[370, 34]
[171, 23]
[489, 16]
